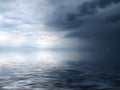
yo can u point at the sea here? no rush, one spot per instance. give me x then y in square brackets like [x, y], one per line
[55, 70]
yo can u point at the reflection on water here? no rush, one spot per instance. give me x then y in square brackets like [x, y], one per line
[51, 71]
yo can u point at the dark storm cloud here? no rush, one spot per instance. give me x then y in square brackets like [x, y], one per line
[90, 7]
[98, 21]
[113, 19]
[73, 15]
[77, 35]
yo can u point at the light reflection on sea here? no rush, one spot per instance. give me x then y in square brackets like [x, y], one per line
[21, 70]
[52, 70]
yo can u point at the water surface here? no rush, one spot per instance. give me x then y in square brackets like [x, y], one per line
[50, 70]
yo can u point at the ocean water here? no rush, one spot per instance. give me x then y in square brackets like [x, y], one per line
[54, 70]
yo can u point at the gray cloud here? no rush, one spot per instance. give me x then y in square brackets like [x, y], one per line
[6, 1]
[96, 21]
[73, 14]
[76, 35]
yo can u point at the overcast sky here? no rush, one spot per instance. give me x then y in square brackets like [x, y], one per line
[59, 23]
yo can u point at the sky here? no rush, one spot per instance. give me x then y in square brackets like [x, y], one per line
[60, 23]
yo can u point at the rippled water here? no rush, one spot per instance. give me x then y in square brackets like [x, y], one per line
[50, 70]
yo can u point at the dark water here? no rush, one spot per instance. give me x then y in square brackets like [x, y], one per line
[52, 70]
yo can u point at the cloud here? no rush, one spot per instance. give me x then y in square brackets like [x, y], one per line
[61, 21]
[10, 39]
[76, 35]
[3, 4]
[74, 15]
[6, 22]
[94, 21]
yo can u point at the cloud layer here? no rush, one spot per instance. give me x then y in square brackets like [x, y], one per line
[75, 23]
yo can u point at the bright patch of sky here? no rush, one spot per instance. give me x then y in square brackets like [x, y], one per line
[22, 23]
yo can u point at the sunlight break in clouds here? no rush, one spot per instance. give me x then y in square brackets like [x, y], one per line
[24, 23]
[18, 27]
[9, 39]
